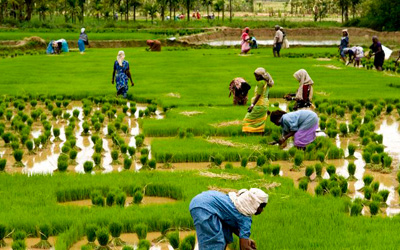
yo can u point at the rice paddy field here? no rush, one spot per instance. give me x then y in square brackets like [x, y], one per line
[81, 168]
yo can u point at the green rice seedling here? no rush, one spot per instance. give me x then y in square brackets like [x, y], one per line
[292, 151]
[50, 107]
[103, 238]
[322, 125]
[97, 126]
[125, 108]
[384, 194]
[309, 171]
[351, 168]
[185, 246]
[133, 111]
[124, 128]
[98, 146]
[321, 156]
[110, 199]
[29, 145]
[173, 239]
[127, 163]
[367, 179]
[88, 167]
[318, 171]
[58, 104]
[343, 129]
[75, 113]
[3, 231]
[336, 191]
[303, 185]
[189, 241]
[110, 129]
[18, 235]
[377, 198]
[97, 198]
[72, 156]
[276, 170]
[182, 133]
[117, 125]
[389, 109]
[132, 151]
[367, 157]
[153, 164]
[114, 156]
[375, 186]
[97, 161]
[343, 184]
[9, 115]
[7, 138]
[124, 148]
[18, 240]
[66, 116]
[33, 103]
[331, 169]
[3, 163]
[340, 112]
[120, 199]
[244, 161]
[139, 142]
[91, 235]
[144, 245]
[138, 197]
[86, 128]
[376, 159]
[332, 133]
[15, 145]
[374, 208]
[62, 163]
[387, 161]
[18, 154]
[369, 105]
[65, 103]
[261, 160]
[351, 148]
[44, 232]
[65, 148]
[267, 169]
[298, 160]
[141, 231]
[218, 159]
[356, 209]
[144, 151]
[116, 229]
[368, 192]
[319, 190]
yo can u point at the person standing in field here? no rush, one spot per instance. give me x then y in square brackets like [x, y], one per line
[217, 215]
[278, 40]
[344, 43]
[245, 41]
[304, 93]
[301, 124]
[378, 52]
[254, 121]
[83, 40]
[121, 74]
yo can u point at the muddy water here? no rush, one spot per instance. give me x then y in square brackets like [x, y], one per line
[270, 42]
[132, 240]
[29, 242]
[147, 200]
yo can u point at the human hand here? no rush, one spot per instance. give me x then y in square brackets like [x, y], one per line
[112, 81]
[132, 84]
[281, 140]
[250, 108]
[247, 244]
[253, 244]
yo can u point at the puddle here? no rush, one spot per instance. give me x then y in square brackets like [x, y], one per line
[147, 200]
[29, 242]
[270, 42]
[391, 138]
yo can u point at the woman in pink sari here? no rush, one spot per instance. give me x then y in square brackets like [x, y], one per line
[245, 41]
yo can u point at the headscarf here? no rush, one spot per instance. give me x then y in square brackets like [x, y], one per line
[246, 30]
[277, 27]
[304, 79]
[82, 30]
[248, 201]
[264, 74]
[347, 32]
[120, 57]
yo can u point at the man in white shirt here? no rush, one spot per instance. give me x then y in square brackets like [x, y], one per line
[278, 40]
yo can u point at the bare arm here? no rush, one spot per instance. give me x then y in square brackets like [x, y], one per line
[287, 136]
[113, 75]
[247, 244]
[128, 73]
[253, 104]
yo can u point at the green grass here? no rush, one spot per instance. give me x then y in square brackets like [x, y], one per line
[199, 76]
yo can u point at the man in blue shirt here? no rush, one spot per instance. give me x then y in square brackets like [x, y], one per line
[217, 215]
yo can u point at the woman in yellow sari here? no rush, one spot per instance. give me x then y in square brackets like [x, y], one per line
[254, 121]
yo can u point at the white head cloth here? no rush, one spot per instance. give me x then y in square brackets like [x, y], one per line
[304, 79]
[265, 75]
[82, 30]
[248, 201]
[120, 57]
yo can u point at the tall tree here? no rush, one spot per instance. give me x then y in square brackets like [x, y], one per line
[151, 9]
[344, 6]
[163, 5]
[96, 7]
[29, 9]
[3, 6]
[354, 4]
[219, 6]
[127, 10]
[207, 3]
[81, 4]
[135, 4]
[230, 10]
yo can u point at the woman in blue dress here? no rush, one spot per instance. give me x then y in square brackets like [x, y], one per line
[121, 74]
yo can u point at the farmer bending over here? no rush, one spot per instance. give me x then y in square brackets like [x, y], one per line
[217, 215]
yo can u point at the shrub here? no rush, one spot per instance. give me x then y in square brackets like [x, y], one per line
[374, 207]
[303, 184]
[91, 232]
[138, 197]
[127, 163]
[276, 169]
[3, 163]
[356, 209]
[331, 169]
[141, 231]
[173, 238]
[218, 159]
[367, 179]
[102, 236]
[245, 160]
[153, 163]
[298, 158]
[88, 167]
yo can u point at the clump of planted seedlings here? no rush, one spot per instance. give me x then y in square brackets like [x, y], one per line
[188, 243]
[141, 231]
[88, 167]
[298, 161]
[331, 169]
[276, 170]
[374, 208]
[97, 161]
[114, 156]
[318, 171]
[173, 239]
[356, 207]
[137, 197]
[153, 164]
[18, 240]
[103, 238]
[303, 184]
[18, 154]
[120, 199]
[127, 163]
[72, 157]
[3, 163]
[144, 245]
[216, 160]
[143, 161]
[351, 148]
[62, 163]
[308, 172]
[110, 199]
[97, 198]
[267, 169]
[91, 235]
[3, 231]
[351, 168]
[44, 232]
[116, 229]
[244, 161]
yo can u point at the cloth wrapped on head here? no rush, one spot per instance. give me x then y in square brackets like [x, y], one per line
[304, 79]
[247, 202]
[120, 57]
[265, 75]
[82, 30]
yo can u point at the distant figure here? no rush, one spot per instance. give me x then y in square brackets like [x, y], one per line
[355, 54]
[217, 216]
[278, 40]
[344, 43]
[253, 43]
[83, 40]
[245, 41]
[121, 74]
[254, 121]
[378, 52]
[285, 44]
[154, 45]
[301, 124]
[58, 46]
[198, 16]
[239, 88]
[116, 16]
[304, 93]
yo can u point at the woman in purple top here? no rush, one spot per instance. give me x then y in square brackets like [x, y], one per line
[378, 52]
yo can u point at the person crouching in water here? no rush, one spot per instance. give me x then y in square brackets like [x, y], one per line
[122, 72]
[217, 215]
[83, 40]
[239, 88]
[154, 45]
[301, 124]
[256, 116]
[305, 91]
